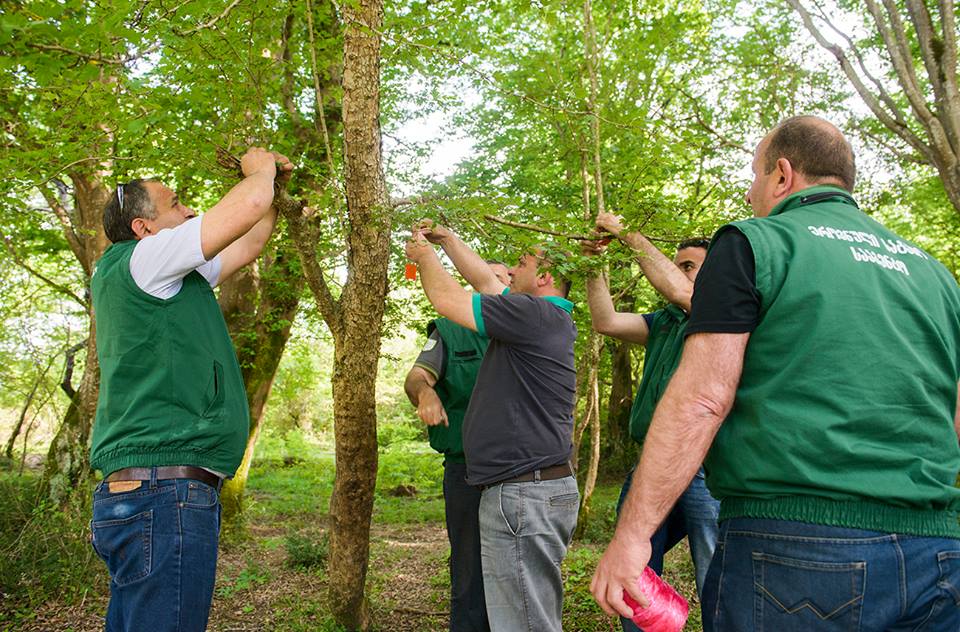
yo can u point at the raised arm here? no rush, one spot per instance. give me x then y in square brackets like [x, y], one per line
[662, 273]
[244, 218]
[603, 315]
[471, 265]
[445, 294]
[684, 424]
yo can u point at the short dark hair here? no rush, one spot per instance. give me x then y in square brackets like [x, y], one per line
[815, 148]
[136, 203]
[694, 242]
[553, 263]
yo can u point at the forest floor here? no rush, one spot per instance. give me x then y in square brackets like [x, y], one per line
[271, 573]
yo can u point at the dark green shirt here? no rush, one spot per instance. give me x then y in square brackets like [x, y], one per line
[664, 347]
[456, 372]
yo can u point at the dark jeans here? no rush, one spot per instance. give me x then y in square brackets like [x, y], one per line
[694, 516]
[468, 610]
[160, 546]
[793, 576]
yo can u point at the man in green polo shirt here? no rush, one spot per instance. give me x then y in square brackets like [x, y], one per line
[517, 431]
[821, 361]
[439, 385]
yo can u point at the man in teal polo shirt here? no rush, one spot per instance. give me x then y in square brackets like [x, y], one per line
[517, 431]
[821, 361]
[172, 418]
[439, 385]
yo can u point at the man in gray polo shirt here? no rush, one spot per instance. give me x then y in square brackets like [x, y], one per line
[518, 426]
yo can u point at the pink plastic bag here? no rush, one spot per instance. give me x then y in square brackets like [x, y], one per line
[668, 609]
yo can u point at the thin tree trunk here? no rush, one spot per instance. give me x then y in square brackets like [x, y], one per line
[357, 340]
[619, 404]
[68, 458]
[595, 344]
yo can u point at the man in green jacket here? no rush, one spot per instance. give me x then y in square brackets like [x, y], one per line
[821, 361]
[172, 418]
[439, 385]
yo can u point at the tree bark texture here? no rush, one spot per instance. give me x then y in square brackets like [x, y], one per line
[361, 306]
[68, 458]
[619, 403]
[259, 304]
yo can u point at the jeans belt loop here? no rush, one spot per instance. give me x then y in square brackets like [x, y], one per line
[536, 477]
[153, 478]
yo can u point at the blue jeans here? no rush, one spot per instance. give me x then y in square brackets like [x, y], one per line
[793, 576]
[468, 610]
[525, 529]
[694, 516]
[160, 545]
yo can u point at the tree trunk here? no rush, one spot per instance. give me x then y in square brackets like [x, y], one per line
[619, 404]
[357, 339]
[259, 304]
[68, 458]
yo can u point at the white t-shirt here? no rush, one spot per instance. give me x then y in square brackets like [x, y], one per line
[159, 262]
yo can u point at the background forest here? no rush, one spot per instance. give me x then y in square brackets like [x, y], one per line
[505, 120]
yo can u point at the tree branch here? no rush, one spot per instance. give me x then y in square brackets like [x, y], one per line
[67, 382]
[210, 23]
[897, 127]
[62, 289]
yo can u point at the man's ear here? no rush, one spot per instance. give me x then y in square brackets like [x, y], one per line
[139, 227]
[544, 279]
[787, 178]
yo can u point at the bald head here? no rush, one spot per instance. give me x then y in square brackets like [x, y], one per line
[815, 148]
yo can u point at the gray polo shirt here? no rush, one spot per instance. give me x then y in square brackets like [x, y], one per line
[520, 416]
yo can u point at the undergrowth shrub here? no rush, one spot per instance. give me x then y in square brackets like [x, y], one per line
[44, 549]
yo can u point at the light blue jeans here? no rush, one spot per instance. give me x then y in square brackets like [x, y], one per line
[525, 529]
[694, 516]
[798, 577]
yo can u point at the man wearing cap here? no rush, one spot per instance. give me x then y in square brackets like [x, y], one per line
[172, 418]
[821, 361]
[518, 426]
[439, 385]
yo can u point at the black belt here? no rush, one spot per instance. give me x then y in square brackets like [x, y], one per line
[551, 473]
[166, 473]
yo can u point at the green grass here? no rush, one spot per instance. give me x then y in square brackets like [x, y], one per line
[272, 575]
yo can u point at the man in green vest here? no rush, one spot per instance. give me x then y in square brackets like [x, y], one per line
[172, 418]
[439, 385]
[821, 361]
[694, 516]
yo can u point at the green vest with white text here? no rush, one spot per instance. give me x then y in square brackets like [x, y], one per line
[844, 414]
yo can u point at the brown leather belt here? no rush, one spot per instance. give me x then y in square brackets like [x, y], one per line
[551, 473]
[165, 473]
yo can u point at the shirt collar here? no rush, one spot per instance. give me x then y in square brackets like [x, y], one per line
[811, 195]
[560, 302]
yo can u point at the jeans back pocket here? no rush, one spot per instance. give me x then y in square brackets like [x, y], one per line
[125, 545]
[794, 595]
